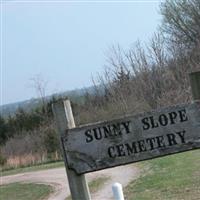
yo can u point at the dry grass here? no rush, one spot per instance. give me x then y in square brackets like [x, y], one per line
[29, 159]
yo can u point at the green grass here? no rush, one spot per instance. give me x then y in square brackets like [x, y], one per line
[30, 191]
[169, 178]
[95, 185]
[32, 168]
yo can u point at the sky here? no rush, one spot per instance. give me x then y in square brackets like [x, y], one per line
[64, 43]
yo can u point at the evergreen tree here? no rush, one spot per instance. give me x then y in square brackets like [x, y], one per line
[3, 130]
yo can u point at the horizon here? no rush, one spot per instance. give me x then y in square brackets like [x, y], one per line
[50, 95]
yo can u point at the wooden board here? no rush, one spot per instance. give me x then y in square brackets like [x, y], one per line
[133, 138]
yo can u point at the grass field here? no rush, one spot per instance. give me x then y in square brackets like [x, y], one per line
[30, 191]
[97, 183]
[32, 168]
[175, 177]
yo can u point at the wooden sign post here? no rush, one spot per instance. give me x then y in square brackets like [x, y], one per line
[195, 85]
[126, 140]
[64, 120]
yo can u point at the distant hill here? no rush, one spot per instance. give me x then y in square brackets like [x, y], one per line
[74, 95]
[10, 109]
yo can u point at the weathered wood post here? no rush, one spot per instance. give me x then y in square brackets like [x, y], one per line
[64, 120]
[195, 85]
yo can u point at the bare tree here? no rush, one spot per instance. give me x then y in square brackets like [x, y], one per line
[181, 21]
[40, 86]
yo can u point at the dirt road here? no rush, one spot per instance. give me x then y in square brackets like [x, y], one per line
[57, 178]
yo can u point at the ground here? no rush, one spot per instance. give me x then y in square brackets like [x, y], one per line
[58, 179]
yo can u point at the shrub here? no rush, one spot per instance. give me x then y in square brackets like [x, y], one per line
[2, 160]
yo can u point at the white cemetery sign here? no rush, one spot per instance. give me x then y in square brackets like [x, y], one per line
[133, 138]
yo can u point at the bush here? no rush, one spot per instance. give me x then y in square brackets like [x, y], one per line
[50, 140]
[2, 160]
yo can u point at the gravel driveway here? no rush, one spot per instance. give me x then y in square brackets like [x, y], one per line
[58, 179]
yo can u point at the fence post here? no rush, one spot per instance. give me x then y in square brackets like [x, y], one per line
[117, 191]
[195, 85]
[64, 120]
